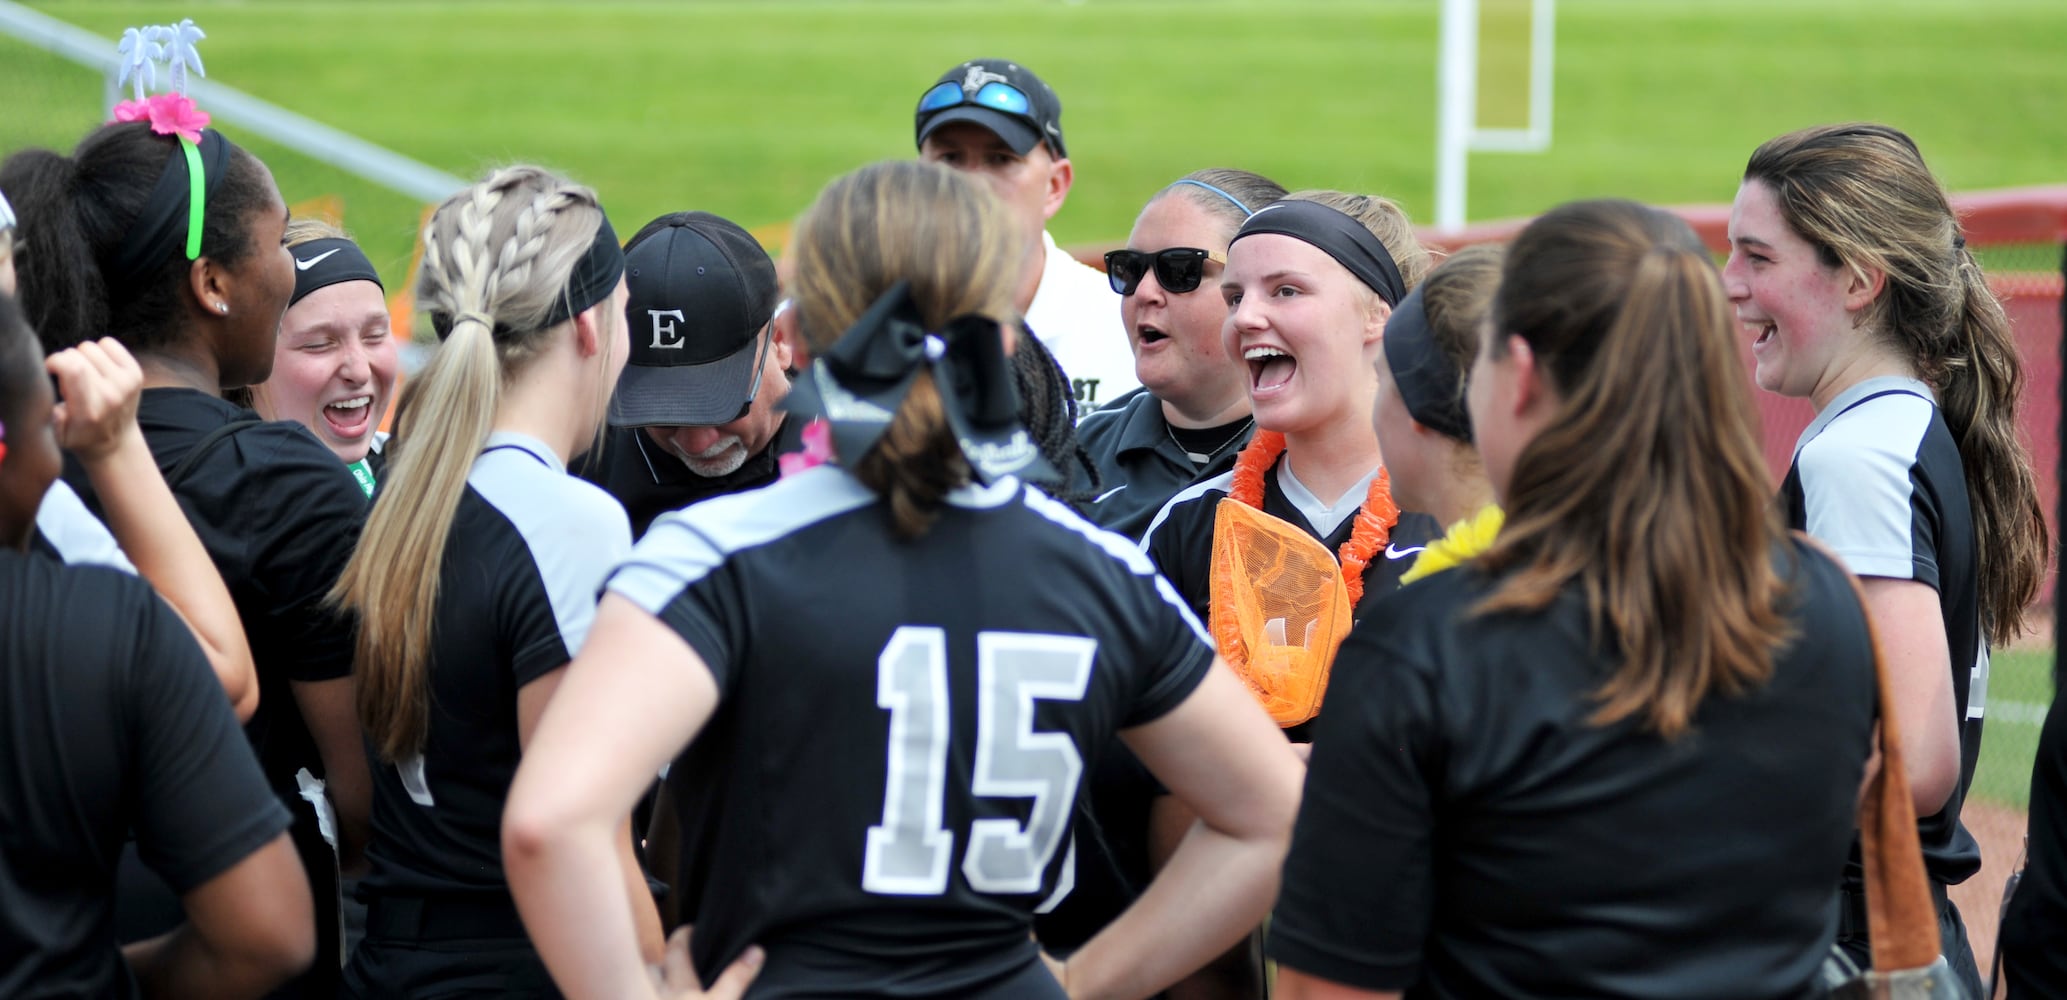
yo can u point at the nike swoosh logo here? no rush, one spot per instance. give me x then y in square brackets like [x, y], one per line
[1110, 492]
[1393, 553]
[303, 265]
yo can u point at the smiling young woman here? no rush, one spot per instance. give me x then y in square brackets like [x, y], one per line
[335, 362]
[1848, 271]
[107, 250]
[1309, 284]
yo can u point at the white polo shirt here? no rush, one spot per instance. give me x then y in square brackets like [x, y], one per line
[1077, 316]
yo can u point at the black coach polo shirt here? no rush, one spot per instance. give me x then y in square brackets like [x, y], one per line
[1140, 466]
[650, 482]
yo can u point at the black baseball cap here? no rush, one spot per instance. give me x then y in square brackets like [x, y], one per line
[1024, 111]
[701, 290]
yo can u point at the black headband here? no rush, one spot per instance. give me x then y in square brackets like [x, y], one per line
[161, 225]
[594, 277]
[858, 384]
[329, 261]
[1337, 235]
[1427, 380]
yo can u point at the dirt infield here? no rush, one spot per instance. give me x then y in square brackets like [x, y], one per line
[2000, 829]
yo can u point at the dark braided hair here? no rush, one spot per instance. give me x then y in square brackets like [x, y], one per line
[1048, 407]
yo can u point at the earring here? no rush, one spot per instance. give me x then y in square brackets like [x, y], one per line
[222, 307]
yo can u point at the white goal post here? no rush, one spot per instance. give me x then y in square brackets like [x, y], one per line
[1457, 133]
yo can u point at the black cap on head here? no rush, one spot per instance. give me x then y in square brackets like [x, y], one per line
[1024, 113]
[701, 290]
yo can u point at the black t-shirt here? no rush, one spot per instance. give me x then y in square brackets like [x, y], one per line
[528, 551]
[111, 723]
[279, 514]
[2034, 931]
[650, 482]
[965, 681]
[1466, 831]
[1140, 465]
[1877, 477]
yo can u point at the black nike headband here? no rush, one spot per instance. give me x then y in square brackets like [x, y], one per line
[1427, 380]
[1336, 234]
[594, 277]
[329, 261]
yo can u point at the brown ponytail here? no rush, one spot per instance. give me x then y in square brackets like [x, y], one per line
[951, 238]
[1863, 196]
[1647, 487]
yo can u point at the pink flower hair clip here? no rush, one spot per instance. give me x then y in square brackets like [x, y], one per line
[818, 449]
[168, 114]
[141, 50]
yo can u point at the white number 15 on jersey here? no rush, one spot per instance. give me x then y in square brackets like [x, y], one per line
[909, 852]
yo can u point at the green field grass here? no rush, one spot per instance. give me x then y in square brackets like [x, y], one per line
[2019, 683]
[746, 109]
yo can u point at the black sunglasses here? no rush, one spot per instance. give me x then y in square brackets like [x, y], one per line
[1178, 269]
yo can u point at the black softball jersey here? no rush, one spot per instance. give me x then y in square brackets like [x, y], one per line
[1180, 539]
[527, 553]
[883, 797]
[1877, 477]
[1469, 831]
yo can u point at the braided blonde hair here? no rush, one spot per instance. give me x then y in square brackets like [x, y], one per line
[497, 257]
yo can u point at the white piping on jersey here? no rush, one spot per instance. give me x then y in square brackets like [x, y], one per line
[1119, 547]
[1223, 482]
[1855, 466]
[574, 530]
[684, 546]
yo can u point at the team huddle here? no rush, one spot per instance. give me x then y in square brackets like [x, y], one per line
[1289, 610]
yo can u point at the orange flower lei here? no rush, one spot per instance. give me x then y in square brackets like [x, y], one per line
[1374, 520]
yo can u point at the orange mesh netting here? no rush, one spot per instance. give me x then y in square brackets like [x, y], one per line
[1279, 609]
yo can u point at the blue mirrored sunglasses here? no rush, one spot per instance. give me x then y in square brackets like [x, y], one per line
[997, 96]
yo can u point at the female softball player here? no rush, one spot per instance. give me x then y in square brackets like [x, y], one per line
[476, 577]
[891, 673]
[1849, 273]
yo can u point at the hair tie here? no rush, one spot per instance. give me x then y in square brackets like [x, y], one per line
[1237, 202]
[1337, 234]
[858, 384]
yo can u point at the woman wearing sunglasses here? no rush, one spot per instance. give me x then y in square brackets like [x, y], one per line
[1191, 415]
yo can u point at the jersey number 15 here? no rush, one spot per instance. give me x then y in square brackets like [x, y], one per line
[909, 852]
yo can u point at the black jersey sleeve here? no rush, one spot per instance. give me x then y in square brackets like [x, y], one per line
[1356, 902]
[201, 803]
[297, 535]
[1180, 543]
[1861, 490]
[677, 575]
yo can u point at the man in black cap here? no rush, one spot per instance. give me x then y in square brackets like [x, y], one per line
[697, 412]
[995, 118]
